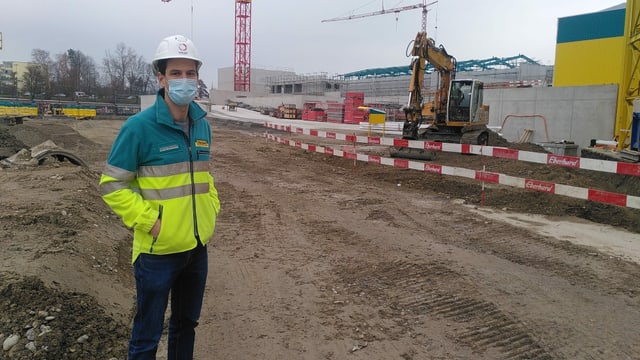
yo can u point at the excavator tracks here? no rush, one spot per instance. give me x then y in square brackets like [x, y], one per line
[475, 137]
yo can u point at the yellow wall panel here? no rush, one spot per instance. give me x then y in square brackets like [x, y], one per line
[590, 62]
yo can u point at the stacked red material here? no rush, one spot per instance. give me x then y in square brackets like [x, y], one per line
[334, 112]
[353, 115]
[313, 111]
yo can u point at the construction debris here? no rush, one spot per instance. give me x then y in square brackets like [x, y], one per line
[39, 153]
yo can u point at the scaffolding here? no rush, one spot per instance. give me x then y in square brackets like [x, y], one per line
[392, 82]
[493, 63]
[302, 84]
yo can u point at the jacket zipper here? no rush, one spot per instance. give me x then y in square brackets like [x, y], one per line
[193, 184]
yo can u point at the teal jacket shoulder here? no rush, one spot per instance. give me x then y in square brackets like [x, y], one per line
[151, 137]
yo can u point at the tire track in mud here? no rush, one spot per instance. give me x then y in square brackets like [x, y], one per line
[241, 225]
[403, 291]
[247, 263]
[407, 290]
[604, 273]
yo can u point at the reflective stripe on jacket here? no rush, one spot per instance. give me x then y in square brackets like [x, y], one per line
[154, 171]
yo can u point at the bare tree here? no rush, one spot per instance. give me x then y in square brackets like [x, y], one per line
[82, 70]
[149, 80]
[60, 77]
[118, 68]
[42, 59]
[203, 92]
[124, 73]
[35, 80]
[139, 77]
[73, 71]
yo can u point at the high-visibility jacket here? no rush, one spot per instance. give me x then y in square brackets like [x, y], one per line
[155, 170]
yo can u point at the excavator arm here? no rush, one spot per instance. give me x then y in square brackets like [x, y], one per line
[445, 65]
[423, 51]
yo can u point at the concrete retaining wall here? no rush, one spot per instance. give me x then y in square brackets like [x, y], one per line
[577, 113]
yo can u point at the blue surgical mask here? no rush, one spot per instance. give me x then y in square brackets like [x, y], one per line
[182, 91]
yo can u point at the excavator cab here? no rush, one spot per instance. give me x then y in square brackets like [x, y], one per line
[465, 101]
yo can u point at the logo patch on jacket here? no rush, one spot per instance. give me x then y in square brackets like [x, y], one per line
[202, 143]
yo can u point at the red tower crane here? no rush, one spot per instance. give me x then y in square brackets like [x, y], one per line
[242, 53]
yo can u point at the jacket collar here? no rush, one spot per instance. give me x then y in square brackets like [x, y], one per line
[163, 115]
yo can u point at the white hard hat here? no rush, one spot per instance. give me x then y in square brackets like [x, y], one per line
[176, 46]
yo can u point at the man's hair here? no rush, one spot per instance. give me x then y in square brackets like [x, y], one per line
[162, 66]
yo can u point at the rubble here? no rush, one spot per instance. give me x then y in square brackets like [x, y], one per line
[39, 153]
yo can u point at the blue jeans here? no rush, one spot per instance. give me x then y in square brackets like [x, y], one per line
[182, 275]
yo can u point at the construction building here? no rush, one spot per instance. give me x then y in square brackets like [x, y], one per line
[388, 84]
[11, 76]
[279, 82]
[590, 48]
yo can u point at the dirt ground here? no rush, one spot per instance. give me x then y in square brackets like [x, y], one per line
[315, 258]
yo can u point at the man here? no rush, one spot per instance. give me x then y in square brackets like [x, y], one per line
[456, 112]
[157, 180]
[456, 94]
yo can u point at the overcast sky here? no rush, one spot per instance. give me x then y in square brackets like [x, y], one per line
[289, 34]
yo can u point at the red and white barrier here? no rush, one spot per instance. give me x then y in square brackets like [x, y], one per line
[615, 167]
[491, 177]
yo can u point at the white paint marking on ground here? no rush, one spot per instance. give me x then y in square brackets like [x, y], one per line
[605, 238]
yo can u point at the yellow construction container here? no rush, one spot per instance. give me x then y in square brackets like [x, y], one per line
[17, 110]
[79, 111]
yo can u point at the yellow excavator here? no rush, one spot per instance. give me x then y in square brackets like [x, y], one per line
[455, 115]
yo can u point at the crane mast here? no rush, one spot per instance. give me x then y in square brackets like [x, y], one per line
[242, 53]
[629, 89]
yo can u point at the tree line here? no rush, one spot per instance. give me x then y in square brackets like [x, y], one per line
[123, 74]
